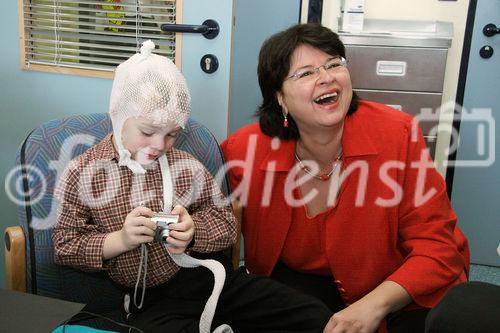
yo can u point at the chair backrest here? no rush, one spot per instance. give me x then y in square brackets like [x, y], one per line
[41, 159]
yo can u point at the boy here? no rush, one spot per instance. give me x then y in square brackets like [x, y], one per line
[109, 194]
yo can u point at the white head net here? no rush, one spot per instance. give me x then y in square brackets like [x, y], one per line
[150, 86]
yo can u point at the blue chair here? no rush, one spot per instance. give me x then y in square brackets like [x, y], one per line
[40, 160]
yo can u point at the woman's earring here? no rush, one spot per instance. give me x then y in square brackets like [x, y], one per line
[285, 120]
[285, 115]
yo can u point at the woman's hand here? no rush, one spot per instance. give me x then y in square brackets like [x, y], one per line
[359, 317]
[365, 315]
[181, 233]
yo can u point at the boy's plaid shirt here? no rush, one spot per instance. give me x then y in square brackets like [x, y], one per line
[95, 195]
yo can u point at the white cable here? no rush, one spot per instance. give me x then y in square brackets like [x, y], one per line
[219, 273]
[168, 186]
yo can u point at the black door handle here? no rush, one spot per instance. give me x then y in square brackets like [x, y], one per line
[490, 30]
[209, 28]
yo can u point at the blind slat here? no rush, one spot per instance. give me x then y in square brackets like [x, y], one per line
[99, 2]
[94, 25]
[158, 11]
[86, 51]
[74, 17]
[48, 34]
[105, 68]
[79, 58]
[132, 49]
[157, 4]
[111, 35]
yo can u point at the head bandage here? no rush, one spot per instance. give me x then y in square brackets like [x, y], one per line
[150, 86]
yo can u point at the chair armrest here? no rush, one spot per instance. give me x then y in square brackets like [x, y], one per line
[15, 259]
[235, 252]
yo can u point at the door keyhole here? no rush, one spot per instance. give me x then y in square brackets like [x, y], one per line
[209, 63]
[486, 52]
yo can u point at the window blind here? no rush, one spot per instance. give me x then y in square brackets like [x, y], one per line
[94, 34]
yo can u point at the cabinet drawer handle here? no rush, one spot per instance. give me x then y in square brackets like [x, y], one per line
[391, 68]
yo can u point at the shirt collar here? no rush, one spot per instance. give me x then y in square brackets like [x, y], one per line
[281, 159]
[356, 140]
[106, 150]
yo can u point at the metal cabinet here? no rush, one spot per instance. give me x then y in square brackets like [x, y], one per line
[401, 64]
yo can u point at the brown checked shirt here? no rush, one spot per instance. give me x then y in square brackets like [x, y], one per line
[95, 196]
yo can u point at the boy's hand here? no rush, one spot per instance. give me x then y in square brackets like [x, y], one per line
[138, 228]
[181, 233]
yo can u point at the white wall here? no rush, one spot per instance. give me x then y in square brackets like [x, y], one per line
[428, 10]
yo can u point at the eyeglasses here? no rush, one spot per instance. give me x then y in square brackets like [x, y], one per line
[333, 65]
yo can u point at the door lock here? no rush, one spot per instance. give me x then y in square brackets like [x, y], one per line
[486, 52]
[209, 63]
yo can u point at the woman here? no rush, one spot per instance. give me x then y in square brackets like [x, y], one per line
[341, 199]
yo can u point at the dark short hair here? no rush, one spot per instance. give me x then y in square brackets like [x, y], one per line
[274, 64]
